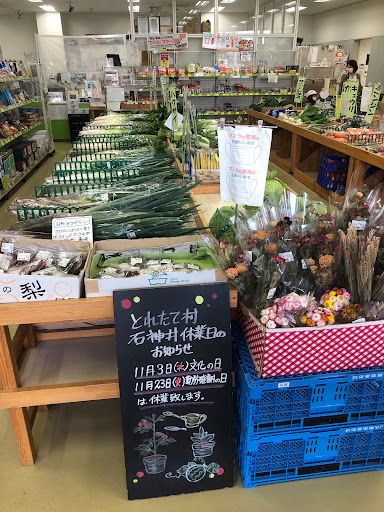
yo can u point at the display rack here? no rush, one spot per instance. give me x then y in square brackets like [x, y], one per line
[298, 151]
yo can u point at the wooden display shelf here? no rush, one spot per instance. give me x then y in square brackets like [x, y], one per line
[43, 367]
[302, 160]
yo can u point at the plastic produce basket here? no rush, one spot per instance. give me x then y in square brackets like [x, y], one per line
[301, 455]
[302, 350]
[32, 213]
[62, 190]
[287, 404]
[332, 172]
[90, 176]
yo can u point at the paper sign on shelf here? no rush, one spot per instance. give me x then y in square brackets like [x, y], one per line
[349, 97]
[299, 89]
[373, 104]
[73, 228]
[366, 98]
[168, 42]
[164, 58]
[168, 122]
[243, 161]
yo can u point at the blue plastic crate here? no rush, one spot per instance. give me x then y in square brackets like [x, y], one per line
[334, 163]
[301, 455]
[332, 173]
[286, 404]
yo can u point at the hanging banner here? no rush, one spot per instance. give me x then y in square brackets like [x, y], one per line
[243, 160]
[174, 356]
[226, 42]
[373, 104]
[299, 89]
[168, 41]
[348, 98]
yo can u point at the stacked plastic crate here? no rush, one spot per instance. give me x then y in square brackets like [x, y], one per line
[290, 428]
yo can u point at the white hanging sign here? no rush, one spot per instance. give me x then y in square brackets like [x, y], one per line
[243, 160]
[73, 228]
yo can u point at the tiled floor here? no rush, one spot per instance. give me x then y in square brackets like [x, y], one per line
[80, 464]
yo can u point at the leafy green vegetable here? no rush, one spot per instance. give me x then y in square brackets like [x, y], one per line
[221, 225]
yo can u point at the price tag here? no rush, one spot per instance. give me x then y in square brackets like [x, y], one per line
[136, 261]
[283, 385]
[299, 89]
[304, 264]
[73, 228]
[23, 256]
[359, 224]
[104, 197]
[271, 293]
[131, 234]
[7, 248]
[273, 79]
[287, 256]
[43, 255]
[373, 104]
[359, 321]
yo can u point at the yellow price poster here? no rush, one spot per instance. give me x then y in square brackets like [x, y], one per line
[338, 108]
[299, 89]
[5, 183]
[164, 57]
[348, 98]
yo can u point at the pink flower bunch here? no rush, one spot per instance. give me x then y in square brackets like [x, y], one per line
[335, 300]
[278, 314]
[317, 317]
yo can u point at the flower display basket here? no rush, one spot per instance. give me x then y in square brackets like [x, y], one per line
[277, 352]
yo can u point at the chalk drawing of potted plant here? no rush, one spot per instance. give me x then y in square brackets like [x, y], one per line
[202, 443]
[196, 470]
[154, 462]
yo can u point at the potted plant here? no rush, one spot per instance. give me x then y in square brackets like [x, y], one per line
[203, 443]
[154, 462]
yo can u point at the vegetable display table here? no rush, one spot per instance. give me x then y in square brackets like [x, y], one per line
[298, 150]
[42, 367]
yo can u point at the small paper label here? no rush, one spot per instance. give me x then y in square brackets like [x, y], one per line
[7, 248]
[136, 261]
[283, 385]
[359, 321]
[287, 256]
[63, 262]
[191, 266]
[152, 262]
[271, 293]
[131, 234]
[104, 197]
[43, 255]
[359, 224]
[73, 228]
[23, 256]
[166, 262]
[304, 264]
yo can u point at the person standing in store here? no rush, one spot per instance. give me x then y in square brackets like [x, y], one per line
[352, 75]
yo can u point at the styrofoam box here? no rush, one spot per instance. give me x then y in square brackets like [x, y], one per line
[21, 288]
[106, 287]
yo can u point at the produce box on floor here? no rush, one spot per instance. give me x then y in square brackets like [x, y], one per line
[302, 350]
[163, 250]
[28, 267]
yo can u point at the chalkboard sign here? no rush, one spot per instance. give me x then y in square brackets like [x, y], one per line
[175, 362]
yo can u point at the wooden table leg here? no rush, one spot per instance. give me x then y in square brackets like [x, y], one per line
[10, 378]
[31, 337]
[296, 151]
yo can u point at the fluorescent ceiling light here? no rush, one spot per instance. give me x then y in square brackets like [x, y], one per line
[316, 1]
[227, 1]
[202, 3]
[135, 1]
[261, 16]
[48, 8]
[291, 3]
[244, 21]
[220, 8]
[234, 26]
[266, 32]
[136, 8]
[293, 9]
[273, 10]
[291, 25]
[35, 1]
[193, 11]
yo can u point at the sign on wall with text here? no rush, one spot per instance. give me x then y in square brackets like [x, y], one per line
[243, 160]
[174, 360]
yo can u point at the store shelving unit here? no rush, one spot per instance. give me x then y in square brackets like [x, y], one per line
[18, 105]
[4, 142]
[4, 79]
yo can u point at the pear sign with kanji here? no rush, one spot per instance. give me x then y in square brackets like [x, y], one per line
[174, 361]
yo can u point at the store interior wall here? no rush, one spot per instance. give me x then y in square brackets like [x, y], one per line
[83, 24]
[17, 36]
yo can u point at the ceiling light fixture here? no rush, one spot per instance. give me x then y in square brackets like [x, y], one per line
[135, 1]
[136, 8]
[202, 3]
[220, 8]
[293, 9]
[243, 21]
[320, 1]
[227, 1]
[291, 3]
[273, 10]
[35, 1]
[48, 8]
[193, 11]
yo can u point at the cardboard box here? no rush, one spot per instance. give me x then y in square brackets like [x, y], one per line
[206, 26]
[105, 287]
[190, 27]
[41, 288]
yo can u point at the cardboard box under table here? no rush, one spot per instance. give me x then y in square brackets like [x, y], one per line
[32, 288]
[105, 287]
[278, 352]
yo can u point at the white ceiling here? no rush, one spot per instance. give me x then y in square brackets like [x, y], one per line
[120, 6]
